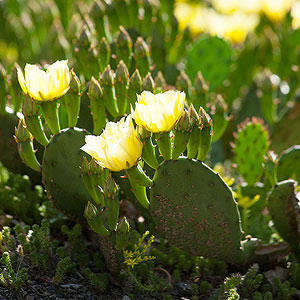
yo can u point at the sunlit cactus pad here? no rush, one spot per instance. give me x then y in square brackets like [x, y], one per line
[250, 146]
[284, 209]
[194, 209]
[212, 56]
[289, 164]
[61, 173]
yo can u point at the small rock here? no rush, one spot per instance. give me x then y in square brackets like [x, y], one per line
[125, 298]
[29, 297]
[71, 285]
[184, 288]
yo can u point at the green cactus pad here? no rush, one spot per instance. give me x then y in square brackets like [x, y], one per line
[212, 56]
[289, 164]
[282, 136]
[61, 173]
[195, 210]
[284, 209]
[250, 146]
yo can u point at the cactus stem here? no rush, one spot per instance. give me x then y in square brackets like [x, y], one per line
[50, 113]
[164, 144]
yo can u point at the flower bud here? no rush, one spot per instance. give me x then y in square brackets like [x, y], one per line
[184, 83]
[148, 83]
[29, 107]
[184, 122]
[97, 10]
[123, 226]
[123, 46]
[206, 133]
[141, 52]
[201, 90]
[25, 146]
[72, 100]
[122, 74]
[90, 211]
[205, 118]
[122, 234]
[110, 187]
[21, 132]
[95, 90]
[160, 82]
[193, 116]
[107, 82]
[33, 122]
[201, 86]
[135, 87]
[121, 86]
[75, 85]
[104, 52]
[95, 94]
[84, 37]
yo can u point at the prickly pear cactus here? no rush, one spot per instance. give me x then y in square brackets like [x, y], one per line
[61, 173]
[212, 56]
[199, 208]
[282, 136]
[250, 146]
[284, 209]
[289, 164]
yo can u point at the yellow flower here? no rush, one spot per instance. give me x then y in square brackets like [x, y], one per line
[295, 13]
[192, 16]
[221, 170]
[117, 148]
[245, 201]
[233, 27]
[45, 86]
[276, 10]
[238, 25]
[232, 6]
[160, 112]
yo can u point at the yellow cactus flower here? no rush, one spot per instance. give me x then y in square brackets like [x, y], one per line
[160, 112]
[226, 6]
[45, 85]
[233, 27]
[295, 13]
[192, 16]
[237, 26]
[276, 10]
[117, 148]
[221, 170]
[245, 201]
[232, 6]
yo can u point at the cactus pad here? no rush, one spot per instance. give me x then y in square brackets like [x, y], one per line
[195, 210]
[284, 209]
[289, 164]
[61, 173]
[212, 56]
[250, 147]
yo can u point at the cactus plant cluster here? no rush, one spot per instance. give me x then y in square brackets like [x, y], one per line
[152, 108]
